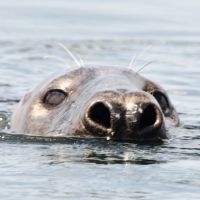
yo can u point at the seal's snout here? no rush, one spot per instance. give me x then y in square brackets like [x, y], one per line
[124, 118]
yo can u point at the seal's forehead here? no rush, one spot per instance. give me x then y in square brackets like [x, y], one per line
[74, 77]
[72, 74]
[105, 76]
[67, 80]
[86, 73]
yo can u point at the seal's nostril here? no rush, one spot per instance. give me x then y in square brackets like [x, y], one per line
[100, 114]
[148, 117]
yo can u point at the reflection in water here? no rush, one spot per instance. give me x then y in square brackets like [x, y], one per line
[125, 158]
[101, 151]
[90, 150]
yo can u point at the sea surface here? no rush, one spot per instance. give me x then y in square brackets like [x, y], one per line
[162, 35]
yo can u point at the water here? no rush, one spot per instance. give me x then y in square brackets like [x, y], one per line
[104, 32]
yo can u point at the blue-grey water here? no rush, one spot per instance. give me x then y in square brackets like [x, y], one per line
[101, 32]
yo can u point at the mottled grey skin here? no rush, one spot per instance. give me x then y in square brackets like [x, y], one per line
[111, 102]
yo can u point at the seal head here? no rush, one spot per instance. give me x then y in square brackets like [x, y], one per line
[111, 102]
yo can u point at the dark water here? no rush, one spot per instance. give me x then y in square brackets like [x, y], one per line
[103, 32]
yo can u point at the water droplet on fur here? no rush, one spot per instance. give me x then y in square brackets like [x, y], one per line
[140, 110]
[117, 116]
[107, 138]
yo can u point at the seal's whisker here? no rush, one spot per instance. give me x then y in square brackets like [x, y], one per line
[133, 60]
[61, 60]
[145, 65]
[131, 64]
[81, 61]
[70, 54]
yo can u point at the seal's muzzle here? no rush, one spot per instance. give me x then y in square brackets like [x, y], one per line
[124, 117]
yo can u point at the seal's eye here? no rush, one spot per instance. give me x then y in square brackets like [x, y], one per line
[54, 97]
[163, 101]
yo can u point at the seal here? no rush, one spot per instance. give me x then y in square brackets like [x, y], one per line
[96, 101]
